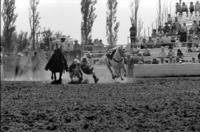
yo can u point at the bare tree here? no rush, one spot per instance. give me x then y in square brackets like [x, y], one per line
[9, 18]
[34, 20]
[112, 26]
[88, 17]
[134, 7]
[22, 40]
[47, 36]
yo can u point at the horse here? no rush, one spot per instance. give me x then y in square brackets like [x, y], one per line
[57, 64]
[75, 72]
[115, 62]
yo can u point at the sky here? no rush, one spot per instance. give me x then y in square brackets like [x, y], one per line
[65, 16]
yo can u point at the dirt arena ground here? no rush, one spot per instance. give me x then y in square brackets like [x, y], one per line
[150, 105]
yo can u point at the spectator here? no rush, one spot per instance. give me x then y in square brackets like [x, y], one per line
[155, 61]
[154, 34]
[178, 8]
[191, 8]
[169, 19]
[197, 8]
[184, 9]
[183, 33]
[170, 55]
[179, 55]
[166, 28]
[140, 59]
[162, 55]
[146, 52]
[194, 27]
[177, 25]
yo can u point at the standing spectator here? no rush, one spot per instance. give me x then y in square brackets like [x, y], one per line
[194, 27]
[178, 8]
[183, 33]
[177, 25]
[166, 28]
[191, 8]
[133, 34]
[197, 8]
[162, 55]
[184, 9]
[169, 19]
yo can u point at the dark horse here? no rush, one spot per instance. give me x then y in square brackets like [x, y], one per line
[57, 63]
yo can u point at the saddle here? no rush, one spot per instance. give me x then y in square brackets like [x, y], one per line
[110, 54]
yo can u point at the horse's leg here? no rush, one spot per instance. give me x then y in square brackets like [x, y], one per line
[95, 77]
[120, 73]
[80, 77]
[124, 69]
[54, 74]
[60, 77]
[109, 68]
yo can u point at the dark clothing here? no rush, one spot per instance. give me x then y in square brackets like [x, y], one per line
[57, 62]
[110, 54]
[87, 69]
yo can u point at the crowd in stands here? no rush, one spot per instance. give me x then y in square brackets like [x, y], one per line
[171, 56]
[192, 8]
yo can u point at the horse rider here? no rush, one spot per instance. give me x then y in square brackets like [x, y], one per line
[86, 66]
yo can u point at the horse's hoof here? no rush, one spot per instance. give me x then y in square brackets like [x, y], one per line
[96, 80]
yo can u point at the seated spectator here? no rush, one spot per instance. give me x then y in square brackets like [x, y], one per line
[140, 59]
[146, 52]
[162, 55]
[170, 55]
[178, 8]
[191, 8]
[184, 9]
[197, 8]
[155, 61]
[179, 55]
[135, 50]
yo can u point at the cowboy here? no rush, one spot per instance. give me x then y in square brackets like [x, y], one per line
[133, 34]
[86, 66]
